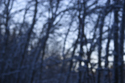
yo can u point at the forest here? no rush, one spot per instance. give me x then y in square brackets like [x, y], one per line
[62, 41]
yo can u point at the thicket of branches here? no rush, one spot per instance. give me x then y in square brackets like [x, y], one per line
[62, 41]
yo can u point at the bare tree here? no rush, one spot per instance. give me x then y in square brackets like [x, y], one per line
[115, 34]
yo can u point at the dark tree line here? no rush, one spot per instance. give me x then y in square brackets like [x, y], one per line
[62, 41]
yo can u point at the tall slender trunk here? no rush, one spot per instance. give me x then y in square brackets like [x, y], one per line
[101, 23]
[121, 44]
[81, 32]
[7, 33]
[115, 33]
[106, 70]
